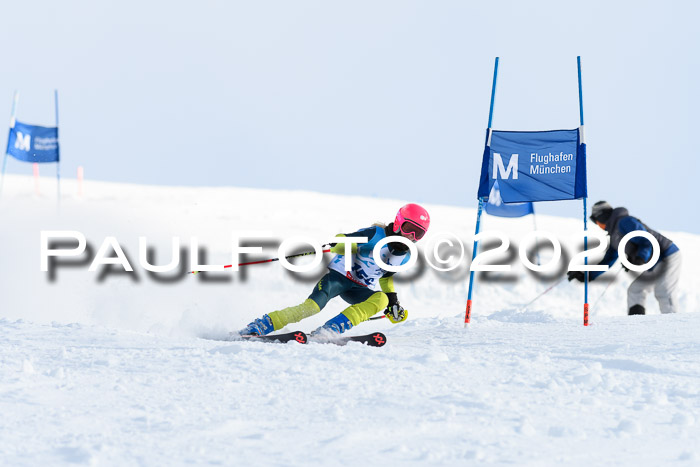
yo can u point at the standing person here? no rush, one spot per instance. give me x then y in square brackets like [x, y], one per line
[663, 278]
[356, 286]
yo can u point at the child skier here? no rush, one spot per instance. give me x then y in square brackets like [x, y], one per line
[356, 285]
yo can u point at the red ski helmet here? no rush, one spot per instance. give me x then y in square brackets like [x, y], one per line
[412, 221]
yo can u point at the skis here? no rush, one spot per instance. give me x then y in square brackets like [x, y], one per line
[294, 336]
[376, 339]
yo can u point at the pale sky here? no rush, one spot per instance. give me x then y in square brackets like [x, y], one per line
[284, 94]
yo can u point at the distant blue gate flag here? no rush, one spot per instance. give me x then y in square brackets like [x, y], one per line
[534, 165]
[496, 206]
[33, 143]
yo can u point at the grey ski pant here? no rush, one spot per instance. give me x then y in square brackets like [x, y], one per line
[663, 281]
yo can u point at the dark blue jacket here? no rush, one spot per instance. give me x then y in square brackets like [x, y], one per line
[638, 249]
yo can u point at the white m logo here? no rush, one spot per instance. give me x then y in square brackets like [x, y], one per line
[499, 168]
[24, 142]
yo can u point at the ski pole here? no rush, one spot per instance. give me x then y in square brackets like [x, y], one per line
[607, 287]
[269, 260]
[543, 293]
[376, 317]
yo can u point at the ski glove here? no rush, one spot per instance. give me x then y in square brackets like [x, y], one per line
[578, 275]
[339, 248]
[396, 313]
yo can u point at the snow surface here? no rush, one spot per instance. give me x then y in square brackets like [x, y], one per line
[122, 370]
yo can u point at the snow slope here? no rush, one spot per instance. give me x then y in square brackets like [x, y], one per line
[115, 370]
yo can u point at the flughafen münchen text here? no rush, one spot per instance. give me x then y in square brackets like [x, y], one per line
[539, 164]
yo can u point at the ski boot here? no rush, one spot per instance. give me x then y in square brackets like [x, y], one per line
[259, 327]
[332, 329]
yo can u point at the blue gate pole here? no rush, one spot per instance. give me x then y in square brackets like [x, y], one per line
[493, 91]
[468, 312]
[585, 210]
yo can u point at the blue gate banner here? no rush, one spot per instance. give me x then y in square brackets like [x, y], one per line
[496, 206]
[534, 165]
[32, 143]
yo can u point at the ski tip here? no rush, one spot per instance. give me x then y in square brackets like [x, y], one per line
[378, 339]
[301, 337]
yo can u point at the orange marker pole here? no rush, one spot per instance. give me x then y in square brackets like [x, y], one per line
[80, 181]
[35, 168]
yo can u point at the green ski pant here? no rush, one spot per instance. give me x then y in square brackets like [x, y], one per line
[364, 302]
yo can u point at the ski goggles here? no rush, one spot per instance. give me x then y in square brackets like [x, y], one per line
[412, 230]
